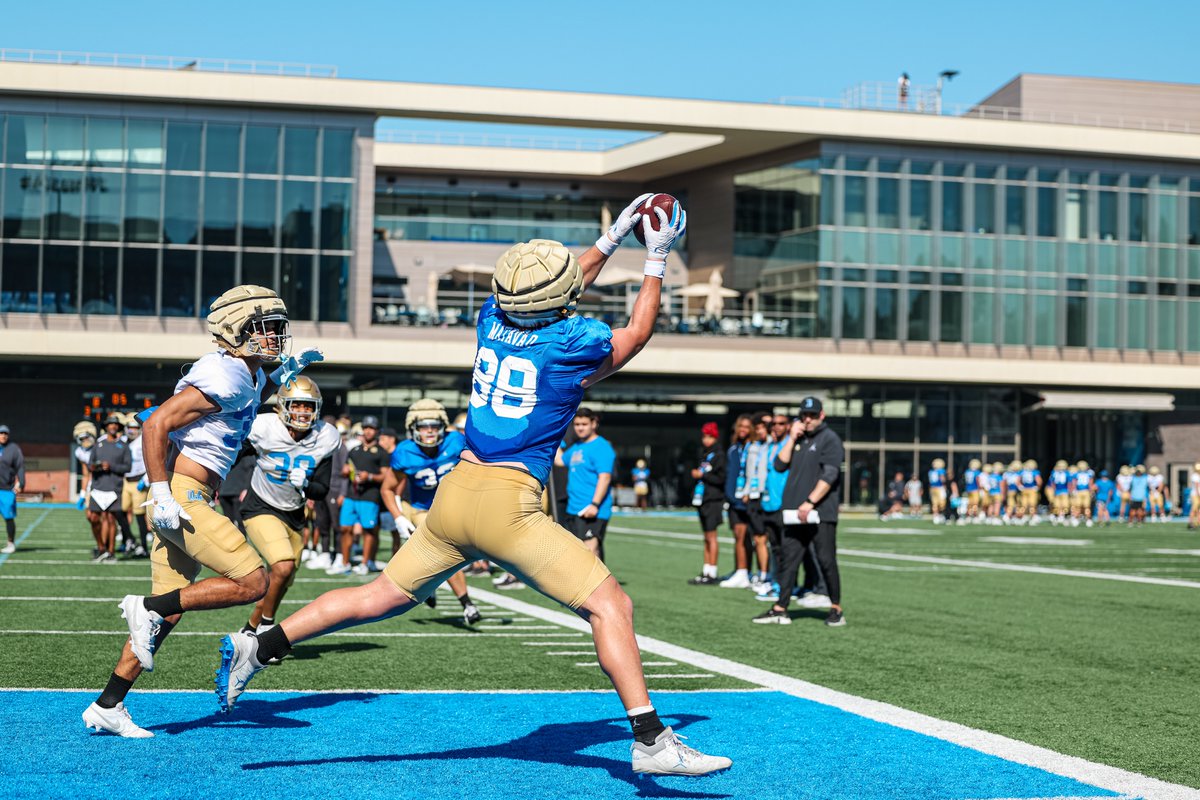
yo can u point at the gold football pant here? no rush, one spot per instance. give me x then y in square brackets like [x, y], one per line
[273, 539]
[132, 498]
[207, 539]
[495, 513]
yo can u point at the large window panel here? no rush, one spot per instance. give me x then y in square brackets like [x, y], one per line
[1076, 226]
[296, 284]
[25, 139]
[982, 316]
[1165, 325]
[1168, 218]
[299, 151]
[855, 201]
[60, 279]
[918, 315]
[99, 293]
[23, 202]
[1045, 321]
[181, 210]
[222, 148]
[299, 204]
[102, 206]
[64, 204]
[335, 215]
[1107, 329]
[333, 297]
[105, 142]
[854, 312]
[19, 279]
[143, 199]
[144, 138]
[887, 315]
[951, 329]
[1108, 216]
[952, 206]
[1135, 336]
[1193, 223]
[139, 281]
[1077, 321]
[337, 153]
[179, 283]
[262, 149]
[258, 269]
[918, 250]
[1014, 318]
[887, 203]
[1014, 209]
[183, 145]
[1137, 217]
[1047, 211]
[985, 208]
[920, 205]
[824, 311]
[217, 275]
[220, 211]
[259, 205]
[64, 141]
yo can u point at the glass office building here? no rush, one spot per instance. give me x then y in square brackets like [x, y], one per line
[144, 216]
[976, 248]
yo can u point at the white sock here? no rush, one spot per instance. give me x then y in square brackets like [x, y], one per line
[709, 571]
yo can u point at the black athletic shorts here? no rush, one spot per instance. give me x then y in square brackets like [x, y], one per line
[711, 512]
[1136, 505]
[738, 516]
[773, 524]
[585, 529]
[754, 511]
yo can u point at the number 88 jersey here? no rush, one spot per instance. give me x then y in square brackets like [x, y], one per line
[278, 454]
[527, 385]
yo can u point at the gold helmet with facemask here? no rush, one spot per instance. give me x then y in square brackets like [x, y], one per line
[430, 415]
[250, 320]
[302, 390]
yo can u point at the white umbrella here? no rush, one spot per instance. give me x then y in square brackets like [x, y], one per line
[713, 292]
[472, 274]
[431, 293]
[614, 276]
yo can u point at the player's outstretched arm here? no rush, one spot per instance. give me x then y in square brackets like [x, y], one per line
[391, 489]
[627, 342]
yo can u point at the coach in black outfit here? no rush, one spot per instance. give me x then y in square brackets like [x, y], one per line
[812, 456]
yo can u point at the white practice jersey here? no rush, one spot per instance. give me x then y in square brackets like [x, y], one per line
[279, 454]
[1194, 480]
[138, 461]
[1155, 482]
[1124, 482]
[215, 439]
[83, 455]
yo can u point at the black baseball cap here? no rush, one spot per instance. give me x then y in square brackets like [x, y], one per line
[389, 432]
[810, 405]
[370, 421]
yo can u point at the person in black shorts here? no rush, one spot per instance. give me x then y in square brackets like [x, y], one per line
[709, 499]
[360, 508]
[739, 515]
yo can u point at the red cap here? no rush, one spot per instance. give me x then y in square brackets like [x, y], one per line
[711, 429]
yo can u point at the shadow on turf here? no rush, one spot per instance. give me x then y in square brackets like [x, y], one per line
[557, 743]
[267, 713]
[308, 652]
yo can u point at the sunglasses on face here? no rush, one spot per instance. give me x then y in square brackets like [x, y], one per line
[809, 415]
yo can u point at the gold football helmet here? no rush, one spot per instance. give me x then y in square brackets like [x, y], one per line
[1030, 464]
[426, 422]
[250, 320]
[537, 282]
[85, 429]
[973, 464]
[939, 463]
[302, 390]
[1014, 466]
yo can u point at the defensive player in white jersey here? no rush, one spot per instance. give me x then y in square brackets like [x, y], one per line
[190, 442]
[293, 451]
[535, 357]
[1194, 496]
[1124, 484]
[1157, 484]
[136, 488]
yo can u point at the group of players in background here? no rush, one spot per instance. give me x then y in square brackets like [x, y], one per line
[1018, 494]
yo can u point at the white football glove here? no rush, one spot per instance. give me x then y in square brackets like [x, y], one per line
[292, 366]
[659, 242]
[622, 226]
[165, 511]
[298, 477]
[404, 526]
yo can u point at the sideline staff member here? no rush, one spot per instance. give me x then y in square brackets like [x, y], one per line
[812, 456]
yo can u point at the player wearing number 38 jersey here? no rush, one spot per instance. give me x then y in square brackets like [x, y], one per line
[534, 359]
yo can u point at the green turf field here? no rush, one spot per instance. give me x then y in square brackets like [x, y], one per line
[1066, 658]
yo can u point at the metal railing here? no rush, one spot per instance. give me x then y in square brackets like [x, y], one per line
[497, 139]
[497, 231]
[168, 62]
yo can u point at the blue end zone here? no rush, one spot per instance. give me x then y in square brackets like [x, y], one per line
[450, 746]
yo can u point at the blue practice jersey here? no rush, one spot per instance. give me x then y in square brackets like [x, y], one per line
[527, 386]
[971, 477]
[937, 478]
[1139, 488]
[1012, 481]
[773, 500]
[1105, 489]
[1029, 478]
[1060, 479]
[1083, 480]
[425, 471]
[586, 461]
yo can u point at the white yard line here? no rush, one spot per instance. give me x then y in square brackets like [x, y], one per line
[1106, 777]
[551, 644]
[644, 663]
[346, 634]
[680, 675]
[568, 653]
[208, 692]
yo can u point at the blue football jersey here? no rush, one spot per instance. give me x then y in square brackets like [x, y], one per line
[527, 386]
[1029, 478]
[971, 476]
[424, 471]
[1060, 480]
[1083, 480]
[937, 478]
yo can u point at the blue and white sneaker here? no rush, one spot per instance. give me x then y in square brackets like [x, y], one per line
[669, 756]
[238, 665]
[768, 592]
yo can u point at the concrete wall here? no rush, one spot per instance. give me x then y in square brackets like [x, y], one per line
[1103, 100]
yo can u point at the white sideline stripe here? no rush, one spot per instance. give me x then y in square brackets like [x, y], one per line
[892, 568]
[514, 627]
[349, 634]
[1068, 573]
[550, 644]
[75, 562]
[569, 653]
[680, 675]
[92, 690]
[1100, 775]
[1037, 540]
[894, 531]
[1064, 797]
[1168, 552]
[644, 663]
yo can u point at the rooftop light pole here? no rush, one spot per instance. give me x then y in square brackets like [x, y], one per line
[945, 75]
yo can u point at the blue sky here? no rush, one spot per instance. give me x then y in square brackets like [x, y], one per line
[753, 51]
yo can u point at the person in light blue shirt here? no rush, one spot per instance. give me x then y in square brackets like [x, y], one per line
[1139, 493]
[1106, 494]
[590, 463]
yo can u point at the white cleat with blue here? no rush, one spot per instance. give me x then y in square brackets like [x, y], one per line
[669, 756]
[114, 720]
[238, 666]
[144, 627]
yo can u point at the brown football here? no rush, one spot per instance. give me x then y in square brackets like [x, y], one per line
[664, 201]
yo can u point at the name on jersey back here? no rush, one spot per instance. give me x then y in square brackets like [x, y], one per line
[511, 336]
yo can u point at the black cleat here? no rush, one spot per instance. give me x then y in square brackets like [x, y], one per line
[835, 619]
[773, 615]
[703, 580]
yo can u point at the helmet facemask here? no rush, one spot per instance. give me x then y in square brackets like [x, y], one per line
[266, 337]
[299, 413]
[428, 432]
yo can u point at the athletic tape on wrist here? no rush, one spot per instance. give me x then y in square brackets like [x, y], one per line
[655, 269]
[606, 245]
